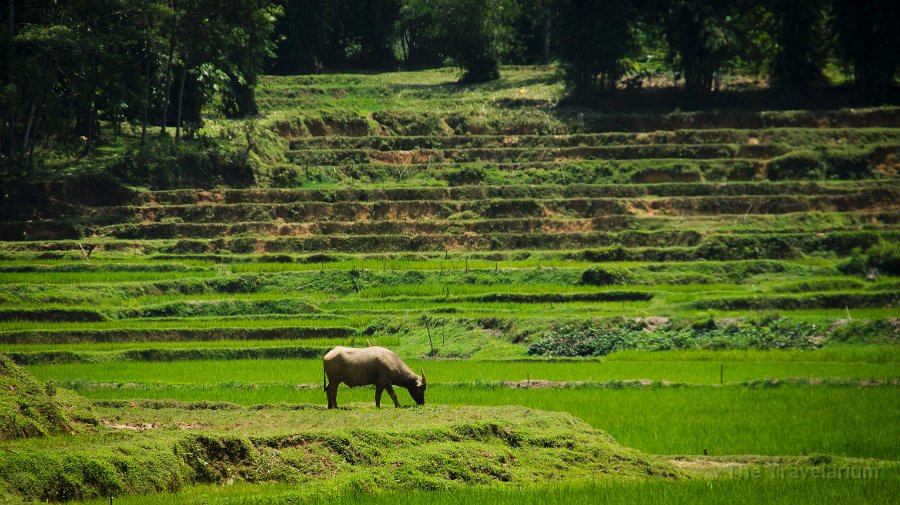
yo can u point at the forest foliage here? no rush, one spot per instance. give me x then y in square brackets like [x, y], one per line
[71, 69]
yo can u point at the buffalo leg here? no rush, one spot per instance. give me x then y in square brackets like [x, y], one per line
[331, 392]
[390, 390]
[378, 391]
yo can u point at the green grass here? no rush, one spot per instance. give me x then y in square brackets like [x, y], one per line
[434, 447]
[260, 321]
[431, 89]
[786, 420]
[669, 420]
[468, 371]
[102, 347]
[97, 277]
[808, 485]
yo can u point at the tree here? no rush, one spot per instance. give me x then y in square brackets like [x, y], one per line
[220, 50]
[473, 33]
[869, 39]
[303, 32]
[70, 69]
[534, 36]
[594, 37]
[801, 43]
[702, 38]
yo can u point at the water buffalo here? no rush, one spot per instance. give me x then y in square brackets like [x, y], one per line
[372, 365]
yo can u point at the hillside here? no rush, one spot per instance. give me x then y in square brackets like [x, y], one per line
[701, 285]
[405, 202]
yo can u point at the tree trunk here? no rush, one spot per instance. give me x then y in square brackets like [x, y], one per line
[167, 89]
[180, 102]
[28, 126]
[11, 75]
[37, 128]
[148, 45]
[92, 95]
[90, 124]
[547, 26]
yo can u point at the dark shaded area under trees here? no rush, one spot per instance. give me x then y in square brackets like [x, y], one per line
[74, 71]
[600, 43]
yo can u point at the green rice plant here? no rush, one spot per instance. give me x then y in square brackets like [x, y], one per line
[98, 277]
[807, 485]
[763, 365]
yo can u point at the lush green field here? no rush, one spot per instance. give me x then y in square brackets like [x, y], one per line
[841, 419]
[885, 367]
[785, 420]
[711, 282]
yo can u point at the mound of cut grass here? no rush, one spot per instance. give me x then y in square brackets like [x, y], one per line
[28, 408]
[153, 447]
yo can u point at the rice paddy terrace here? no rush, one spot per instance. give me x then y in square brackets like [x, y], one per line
[489, 222]
[404, 194]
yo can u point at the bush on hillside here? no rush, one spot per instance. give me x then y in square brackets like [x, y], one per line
[467, 175]
[203, 163]
[598, 338]
[883, 257]
[596, 276]
[796, 165]
[848, 164]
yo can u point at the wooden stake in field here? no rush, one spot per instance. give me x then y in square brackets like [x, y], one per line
[430, 343]
[86, 252]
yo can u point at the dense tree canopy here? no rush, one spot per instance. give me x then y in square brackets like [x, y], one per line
[594, 38]
[70, 66]
[472, 33]
[599, 42]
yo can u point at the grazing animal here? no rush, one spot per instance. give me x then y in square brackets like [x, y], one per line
[371, 365]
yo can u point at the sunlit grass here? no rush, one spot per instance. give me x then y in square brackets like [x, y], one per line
[878, 363]
[787, 420]
[857, 485]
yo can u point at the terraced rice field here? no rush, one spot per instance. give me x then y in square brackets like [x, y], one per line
[465, 225]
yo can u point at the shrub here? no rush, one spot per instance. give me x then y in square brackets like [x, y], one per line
[596, 276]
[582, 339]
[595, 36]
[598, 338]
[796, 165]
[848, 164]
[161, 164]
[879, 331]
[464, 176]
[883, 257]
